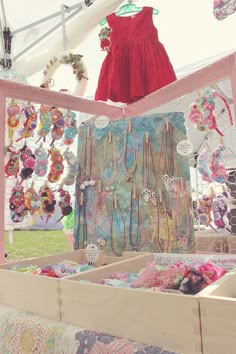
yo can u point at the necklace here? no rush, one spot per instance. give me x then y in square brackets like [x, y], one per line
[82, 222]
[182, 219]
[165, 224]
[166, 157]
[148, 171]
[120, 222]
[130, 168]
[134, 197]
[87, 162]
[109, 169]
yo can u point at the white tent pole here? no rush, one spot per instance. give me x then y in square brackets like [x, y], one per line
[63, 24]
[53, 29]
[56, 14]
[4, 14]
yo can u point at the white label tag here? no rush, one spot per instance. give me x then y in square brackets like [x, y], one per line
[101, 122]
[184, 147]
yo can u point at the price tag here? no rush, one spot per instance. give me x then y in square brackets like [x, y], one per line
[184, 147]
[92, 253]
[101, 122]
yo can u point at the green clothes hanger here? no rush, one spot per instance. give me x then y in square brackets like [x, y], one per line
[126, 9]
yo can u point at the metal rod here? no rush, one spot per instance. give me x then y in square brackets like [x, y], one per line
[56, 14]
[63, 24]
[4, 13]
[54, 28]
[2, 42]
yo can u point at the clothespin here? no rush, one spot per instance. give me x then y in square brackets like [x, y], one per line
[160, 195]
[99, 186]
[129, 126]
[109, 137]
[147, 137]
[88, 132]
[82, 198]
[115, 201]
[134, 192]
[167, 125]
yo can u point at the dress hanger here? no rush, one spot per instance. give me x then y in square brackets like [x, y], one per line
[126, 9]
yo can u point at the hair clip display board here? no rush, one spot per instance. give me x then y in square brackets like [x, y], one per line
[133, 187]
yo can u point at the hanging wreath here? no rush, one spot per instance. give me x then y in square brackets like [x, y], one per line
[77, 65]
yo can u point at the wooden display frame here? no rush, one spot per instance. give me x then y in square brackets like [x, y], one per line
[171, 321]
[40, 294]
[218, 313]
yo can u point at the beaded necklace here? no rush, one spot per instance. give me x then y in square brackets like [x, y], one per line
[116, 209]
[82, 220]
[184, 219]
[130, 169]
[109, 170]
[156, 239]
[87, 162]
[166, 157]
[134, 199]
[148, 163]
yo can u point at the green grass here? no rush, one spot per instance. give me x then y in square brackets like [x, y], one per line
[32, 244]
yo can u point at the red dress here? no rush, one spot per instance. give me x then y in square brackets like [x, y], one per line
[137, 63]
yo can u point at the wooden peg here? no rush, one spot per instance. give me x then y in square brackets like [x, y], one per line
[88, 132]
[109, 137]
[160, 195]
[115, 201]
[167, 125]
[147, 137]
[82, 198]
[129, 126]
[99, 186]
[134, 192]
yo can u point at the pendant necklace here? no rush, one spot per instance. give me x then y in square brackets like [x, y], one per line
[157, 239]
[130, 153]
[182, 214]
[137, 243]
[109, 165]
[166, 158]
[82, 221]
[118, 220]
[86, 179]
[148, 171]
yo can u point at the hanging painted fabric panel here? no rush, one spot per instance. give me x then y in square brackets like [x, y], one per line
[223, 8]
[133, 188]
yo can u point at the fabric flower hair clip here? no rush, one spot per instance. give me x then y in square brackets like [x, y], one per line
[202, 112]
[104, 37]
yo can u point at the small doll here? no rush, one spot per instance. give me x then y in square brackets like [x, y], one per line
[45, 121]
[48, 201]
[203, 162]
[70, 128]
[28, 159]
[58, 122]
[29, 124]
[193, 283]
[57, 167]
[41, 164]
[12, 167]
[17, 203]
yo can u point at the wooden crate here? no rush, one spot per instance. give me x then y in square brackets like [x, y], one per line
[40, 294]
[218, 316]
[167, 320]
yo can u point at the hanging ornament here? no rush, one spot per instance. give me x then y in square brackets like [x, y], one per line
[32, 201]
[71, 174]
[13, 119]
[17, 203]
[220, 210]
[41, 164]
[29, 124]
[71, 129]
[48, 201]
[45, 121]
[203, 165]
[57, 167]
[204, 210]
[12, 167]
[64, 203]
[28, 158]
[58, 125]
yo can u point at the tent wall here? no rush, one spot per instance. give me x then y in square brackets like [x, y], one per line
[224, 68]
